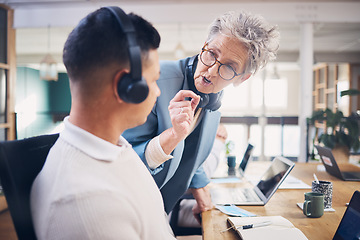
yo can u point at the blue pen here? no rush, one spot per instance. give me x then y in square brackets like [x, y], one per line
[255, 225]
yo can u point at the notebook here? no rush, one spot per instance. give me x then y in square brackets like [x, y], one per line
[331, 166]
[349, 227]
[276, 227]
[260, 194]
[239, 172]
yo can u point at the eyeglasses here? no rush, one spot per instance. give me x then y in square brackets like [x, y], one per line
[225, 71]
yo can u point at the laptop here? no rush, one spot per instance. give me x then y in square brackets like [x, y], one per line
[327, 158]
[239, 172]
[260, 194]
[349, 227]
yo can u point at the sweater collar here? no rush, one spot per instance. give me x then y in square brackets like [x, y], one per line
[92, 145]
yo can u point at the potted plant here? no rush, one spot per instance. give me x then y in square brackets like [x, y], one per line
[229, 147]
[340, 133]
[231, 159]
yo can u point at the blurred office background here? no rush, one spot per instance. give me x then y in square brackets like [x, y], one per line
[319, 56]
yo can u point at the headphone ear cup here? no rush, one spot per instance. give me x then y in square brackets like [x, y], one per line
[214, 101]
[132, 91]
[204, 100]
[214, 106]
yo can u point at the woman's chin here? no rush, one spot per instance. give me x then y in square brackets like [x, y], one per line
[203, 87]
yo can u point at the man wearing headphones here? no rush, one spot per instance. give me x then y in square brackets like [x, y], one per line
[93, 185]
[179, 133]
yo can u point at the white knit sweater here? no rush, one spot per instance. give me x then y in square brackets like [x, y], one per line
[92, 189]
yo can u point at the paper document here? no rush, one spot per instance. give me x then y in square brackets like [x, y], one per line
[292, 182]
[226, 180]
[280, 228]
[300, 205]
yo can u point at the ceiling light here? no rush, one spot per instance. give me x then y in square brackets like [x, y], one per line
[274, 74]
[179, 51]
[48, 66]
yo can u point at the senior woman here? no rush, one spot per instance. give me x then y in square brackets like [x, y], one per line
[180, 130]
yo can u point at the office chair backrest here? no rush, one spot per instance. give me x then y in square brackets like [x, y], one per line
[20, 163]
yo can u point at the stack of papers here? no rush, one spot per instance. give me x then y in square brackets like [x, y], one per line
[292, 182]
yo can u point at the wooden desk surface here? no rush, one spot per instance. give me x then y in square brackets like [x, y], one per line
[284, 201]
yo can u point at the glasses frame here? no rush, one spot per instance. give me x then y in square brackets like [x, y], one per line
[203, 49]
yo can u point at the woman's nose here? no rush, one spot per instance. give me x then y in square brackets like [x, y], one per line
[213, 70]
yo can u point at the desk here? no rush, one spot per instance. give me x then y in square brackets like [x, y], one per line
[284, 201]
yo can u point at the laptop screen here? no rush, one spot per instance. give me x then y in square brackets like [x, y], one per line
[246, 157]
[272, 177]
[349, 225]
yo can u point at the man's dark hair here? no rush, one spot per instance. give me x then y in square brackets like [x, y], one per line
[98, 41]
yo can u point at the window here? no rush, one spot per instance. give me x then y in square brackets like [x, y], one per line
[247, 99]
[242, 107]
[276, 93]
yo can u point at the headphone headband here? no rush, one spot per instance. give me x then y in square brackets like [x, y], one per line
[131, 88]
[133, 50]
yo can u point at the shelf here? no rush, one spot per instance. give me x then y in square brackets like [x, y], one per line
[325, 87]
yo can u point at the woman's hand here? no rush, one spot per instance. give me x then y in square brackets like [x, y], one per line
[182, 112]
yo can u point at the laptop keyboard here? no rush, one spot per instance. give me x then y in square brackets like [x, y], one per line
[244, 195]
[351, 175]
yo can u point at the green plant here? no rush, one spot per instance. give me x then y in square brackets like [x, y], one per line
[229, 146]
[339, 130]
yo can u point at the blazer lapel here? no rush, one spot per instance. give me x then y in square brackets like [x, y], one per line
[210, 121]
[207, 135]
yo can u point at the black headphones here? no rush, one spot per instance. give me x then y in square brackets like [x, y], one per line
[211, 101]
[132, 87]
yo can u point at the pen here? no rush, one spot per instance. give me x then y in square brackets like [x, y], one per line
[316, 179]
[255, 225]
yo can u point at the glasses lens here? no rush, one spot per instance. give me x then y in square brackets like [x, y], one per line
[207, 58]
[226, 72]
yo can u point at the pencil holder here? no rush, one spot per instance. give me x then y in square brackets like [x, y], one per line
[325, 188]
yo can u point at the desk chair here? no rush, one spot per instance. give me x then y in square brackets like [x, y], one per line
[20, 163]
[174, 220]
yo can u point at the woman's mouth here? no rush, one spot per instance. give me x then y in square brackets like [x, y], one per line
[204, 85]
[207, 81]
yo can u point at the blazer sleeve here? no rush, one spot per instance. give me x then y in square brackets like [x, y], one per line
[200, 179]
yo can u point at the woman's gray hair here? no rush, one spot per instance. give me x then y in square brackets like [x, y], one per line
[254, 32]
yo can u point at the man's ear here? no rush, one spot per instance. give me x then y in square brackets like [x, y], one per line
[242, 79]
[115, 83]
